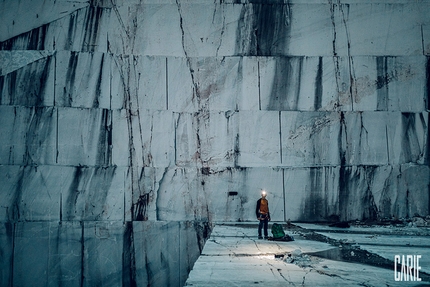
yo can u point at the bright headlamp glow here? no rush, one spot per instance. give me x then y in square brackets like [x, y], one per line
[263, 192]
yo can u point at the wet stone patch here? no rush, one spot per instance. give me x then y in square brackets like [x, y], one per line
[234, 256]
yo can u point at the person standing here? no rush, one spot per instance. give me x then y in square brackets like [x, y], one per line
[263, 214]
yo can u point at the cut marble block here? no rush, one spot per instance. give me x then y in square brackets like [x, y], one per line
[232, 193]
[84, 137]
[258, 140]
[82, 30]
[181, 86]
[357, 192]
[31, 135]
[26, 78]
[72, 253]
[335, 84]
[158, 138]
[217, 136]
[416, 179]
[164, 252]
[160, 240]
[290, 83]
[206, 27]
[82, 80]
[202, 29]
[410, 141]
[31, 193]
[365, 137]
[217, 84]
[86, 30]
[142, 185]
[373, 29]
[400, 191]
[302, 134]
[147, 137]
[14, 60]
[20, 16]
[186, 137]
[147, 29]
[7, 229]
[218, 195]
[139, 82]
[102, 253]
[388, 83]
[311, 193]
[47, 254]
[264, 30]
[228, 83]
[206, 138]
[252, 139]
[67, 258]
[383, 83]
[180, 196]
[192, 237]
[93, 194]
[53, 193]
[371, 138]
[123, 151]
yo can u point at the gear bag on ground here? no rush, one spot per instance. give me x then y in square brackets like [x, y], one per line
[277, 231]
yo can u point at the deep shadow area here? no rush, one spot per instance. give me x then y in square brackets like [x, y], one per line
[348, 252]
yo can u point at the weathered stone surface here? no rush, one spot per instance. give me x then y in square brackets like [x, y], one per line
[119, 116]
[356, 192]
[28, 135]
[82, 80]
[74, 253]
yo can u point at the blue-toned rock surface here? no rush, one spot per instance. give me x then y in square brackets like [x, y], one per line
[127, 127]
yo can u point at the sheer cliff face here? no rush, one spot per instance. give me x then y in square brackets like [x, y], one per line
[119, 110]
[127, 111]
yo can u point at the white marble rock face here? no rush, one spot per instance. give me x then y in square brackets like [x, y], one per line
[115, 96]
[74, 253]
[123, 122]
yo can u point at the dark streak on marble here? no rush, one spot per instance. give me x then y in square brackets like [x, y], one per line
[159, 193]
[361, 199]
[14, 209]
[263, 29]
[98, 92]
[70, 80]
[104, 145]
[410, 141]
[288, 73]
[92, 185]
[313, 208]
[73, 193]
[27, 86]
[128, 257]
[91, 28]
[38, 135]
[382, 81]
[32, 40]
[203, 230]
[272, 28]
[428, 83]
[318, 85]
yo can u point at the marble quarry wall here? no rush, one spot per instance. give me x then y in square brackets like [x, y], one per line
[127, 127]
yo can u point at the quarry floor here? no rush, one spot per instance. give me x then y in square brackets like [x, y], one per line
[320, 255]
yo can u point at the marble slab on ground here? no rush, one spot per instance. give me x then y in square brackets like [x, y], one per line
[268, 271]
[239, 240]
[234, 257]
[384, 241]
[376, 229]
